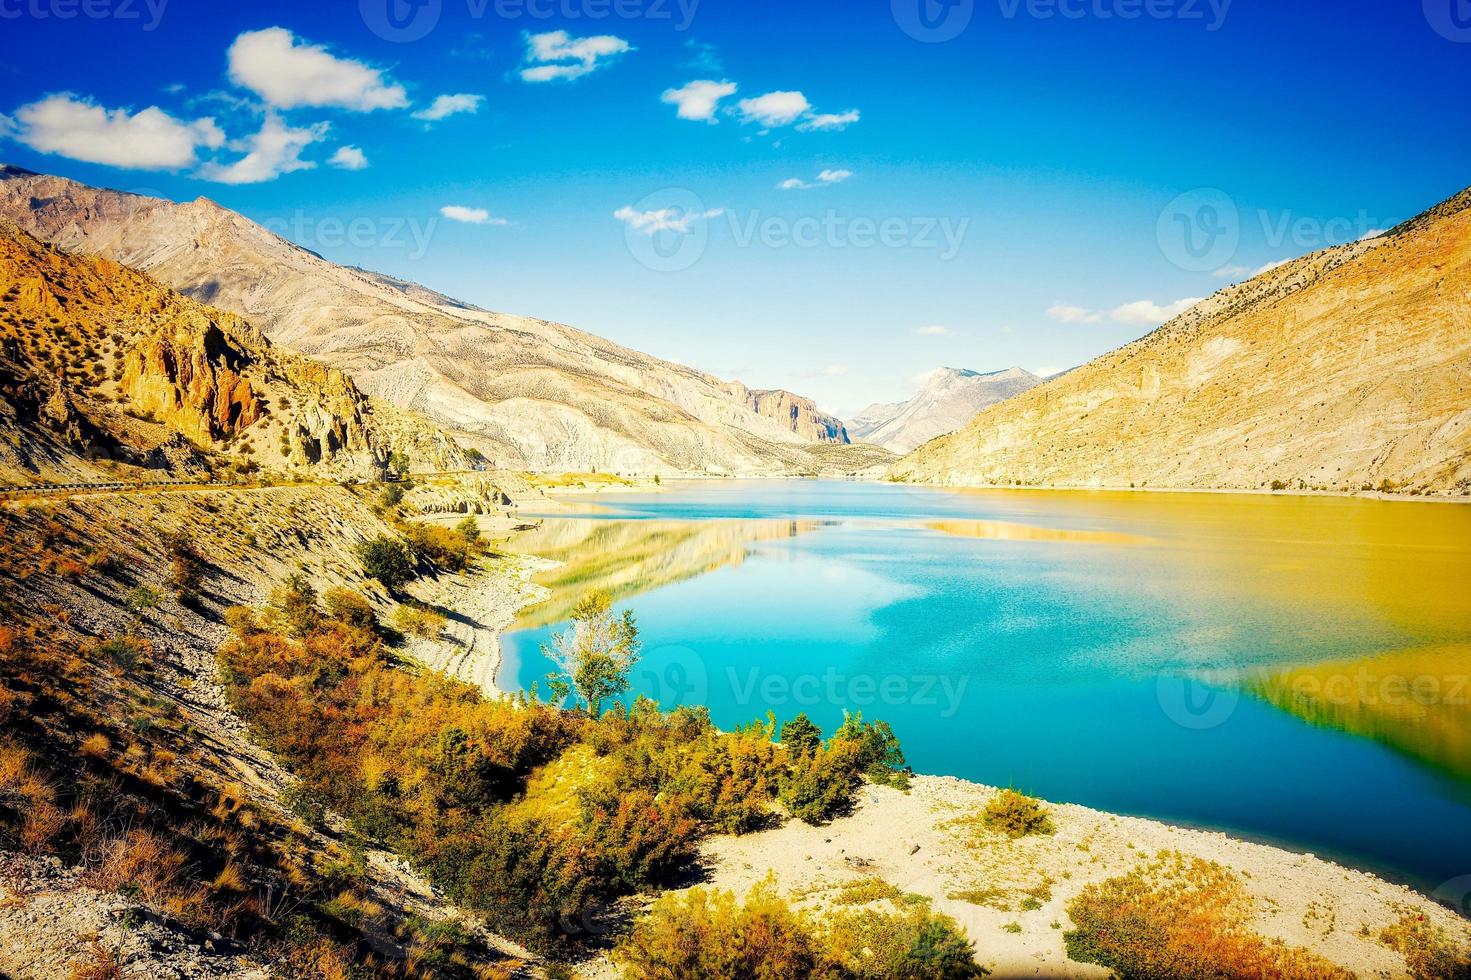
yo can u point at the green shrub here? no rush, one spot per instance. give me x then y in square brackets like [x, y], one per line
[879, 756]
[387, 560]
[801, 735]
[820, 784]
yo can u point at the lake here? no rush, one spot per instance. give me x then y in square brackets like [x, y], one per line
[1289, 669]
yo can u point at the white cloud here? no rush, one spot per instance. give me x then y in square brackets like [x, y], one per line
[665, 219]
[774, 109]
[830, 120]
[271, 152]
[288, 74]
[1269, 267]
[556, 55]
[1063, 313]
[835, 370]
[449, 105]
[471, 216]
[1047, 372]
[823, 179]
[1147, 312]
[79, 129]
[935, 331]
[699, 99]
[1231, 272]
[349, 158]
[1372, 233]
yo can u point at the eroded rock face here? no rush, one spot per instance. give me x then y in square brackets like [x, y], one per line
[795, 413]
[98, 361]
[188, 376]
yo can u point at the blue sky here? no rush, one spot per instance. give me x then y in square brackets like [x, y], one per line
[1017, 193]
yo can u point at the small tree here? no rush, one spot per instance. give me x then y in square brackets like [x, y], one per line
[469, 529]
[800, 735]
[386, 560]
[296, 598]
[598, 651]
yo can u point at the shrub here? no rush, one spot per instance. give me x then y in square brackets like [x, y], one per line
[386, 560]
[706, 935]
[347, 606]
[1016, 815]
[141, 599]
[393, 494]
[879, 756]
[127, 652]
[801, 735]
[420, 621]
[1430, 952]
[820, 785]
[1181, 917]
[296, 599]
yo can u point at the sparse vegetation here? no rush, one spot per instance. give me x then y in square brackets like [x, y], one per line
[1016, 815]
[533, 815]
[1181, 917]
[708, 935]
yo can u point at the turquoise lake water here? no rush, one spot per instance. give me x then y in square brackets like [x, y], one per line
[1289, 669]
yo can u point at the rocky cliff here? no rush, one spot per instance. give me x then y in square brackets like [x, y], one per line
[797, 413]
[949, 398]
[1345, 370]
[525, 392]
[103, 368]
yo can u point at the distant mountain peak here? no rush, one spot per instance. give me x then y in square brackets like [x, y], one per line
[947, 399]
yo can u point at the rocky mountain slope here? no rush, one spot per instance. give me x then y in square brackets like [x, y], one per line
[798, 414]
[525, 392]
[950, 398]
[1345, 370]
[103, 368]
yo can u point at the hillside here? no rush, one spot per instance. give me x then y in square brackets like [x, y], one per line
[525, 392]
[1345, 370]
[950, 398]
[103, 371]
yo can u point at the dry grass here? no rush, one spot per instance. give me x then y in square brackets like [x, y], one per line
[1430, 952]
[1182, 917]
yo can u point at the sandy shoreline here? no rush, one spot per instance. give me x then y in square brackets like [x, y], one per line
[1010, 896]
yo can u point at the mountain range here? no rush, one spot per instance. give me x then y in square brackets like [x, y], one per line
[1345, 370]
[947, 400]
[526, 393]
[104, 371]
